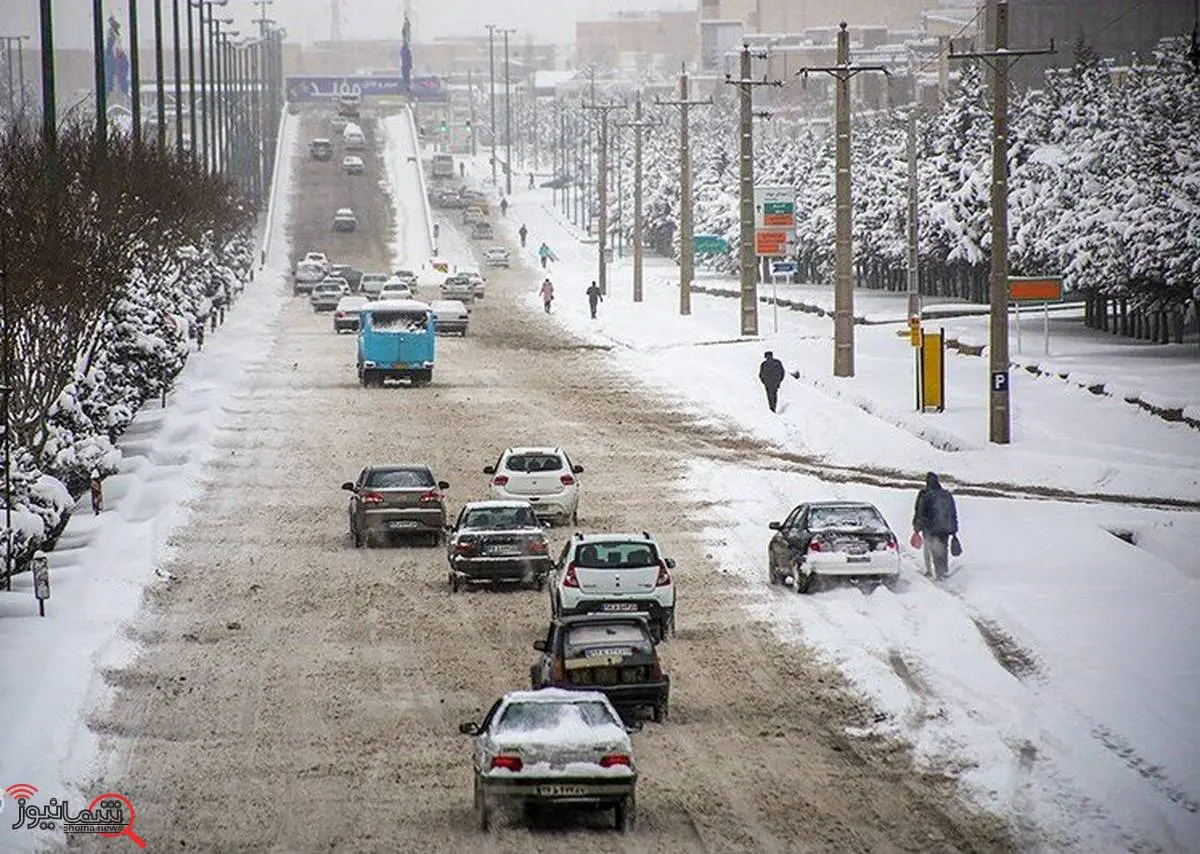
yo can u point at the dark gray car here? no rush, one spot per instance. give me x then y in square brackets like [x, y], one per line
[399, 500]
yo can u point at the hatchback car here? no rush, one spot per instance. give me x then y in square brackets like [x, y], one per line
[496, 256]
[345, 220]
[611, 653]
[451, 316]
[833, 540]
[543, 476]
[372, 283]
[345, 316]
[327, 294]
[459, 288]
[615, 574]
[478, 282]
[396, 500]
[352, 164]
[394, 288]
[552, 747]
[497, 541]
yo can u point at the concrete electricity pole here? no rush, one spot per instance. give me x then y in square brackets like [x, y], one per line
[638, 124]
[602, 188]
[1000, 59]
[507, 119]
[491, 28]
[748, 265]
[687, 254]
[914, 281]
[843, 293]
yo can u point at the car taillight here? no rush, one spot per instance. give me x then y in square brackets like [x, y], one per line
[664, 577]
[567, 480]
[814, 546]
[539, 547]
[512, 763]
[500, 480]
[569, 579]
[372, 498]
[430, 497]
[889, 543]
[339, 315]
[615, 759]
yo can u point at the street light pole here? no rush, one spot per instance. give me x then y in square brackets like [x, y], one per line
[602, 190]
[101, 80]
[49, 108]
[178, 77]
[507, 119]
[160, 107]
[491, 28]
[135, 73]
[638, 125]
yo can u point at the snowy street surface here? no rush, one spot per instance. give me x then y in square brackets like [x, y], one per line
[217, 650]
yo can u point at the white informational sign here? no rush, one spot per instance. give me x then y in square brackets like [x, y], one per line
[775, 207]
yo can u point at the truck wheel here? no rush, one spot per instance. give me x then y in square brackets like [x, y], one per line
[625, 814]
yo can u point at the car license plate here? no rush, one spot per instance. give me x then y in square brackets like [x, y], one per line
[619, 606]
[504, 550]
[559, 790]
[404, 523]
[863, 559]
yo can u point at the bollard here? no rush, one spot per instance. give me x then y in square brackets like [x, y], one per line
[41, 580]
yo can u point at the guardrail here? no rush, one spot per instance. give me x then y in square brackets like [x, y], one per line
[412, 129]
[280, 163]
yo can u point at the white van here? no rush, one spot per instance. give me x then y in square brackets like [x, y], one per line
[354, 138]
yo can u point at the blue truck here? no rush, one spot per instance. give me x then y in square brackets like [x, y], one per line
[395, 341]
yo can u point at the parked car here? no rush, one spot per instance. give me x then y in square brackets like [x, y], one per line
[553, 747]
[396, 340]
[395, 288]
[459, 288]
[497, 541]
[352, 164]
[352, 276]
[543, 476]
[372, 284]
[345, 220]
[327, 294]
[320, 149]
[345, 315]
[833, 540]
[496, 256]
[478, 282]
[615, 574]
[451, 316]
[614, 654]
[396, 500]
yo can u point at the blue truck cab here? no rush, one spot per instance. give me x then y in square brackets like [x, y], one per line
[395, 341]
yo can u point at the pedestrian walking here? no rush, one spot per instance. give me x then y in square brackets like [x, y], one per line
[504, 207]
[770, 373]
[462, 169]
[531, 180]
[97, 492]
[594, 298]
[523, 233]
[547, 293]
[200, 334]
[935, 526]
[544, 253]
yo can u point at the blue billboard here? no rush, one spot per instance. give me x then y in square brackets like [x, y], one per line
[328, 88]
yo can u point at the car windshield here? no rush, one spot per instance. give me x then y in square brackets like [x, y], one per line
[500, 517]
[398, 321]
[863, 517]
[616, 555]
[613, 634]
[374, 277]
[400, 479]
[534, 717]
[530, 463]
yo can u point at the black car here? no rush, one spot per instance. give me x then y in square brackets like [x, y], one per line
[321, 149]
[614, 654]
[495, 541]
[352, 276]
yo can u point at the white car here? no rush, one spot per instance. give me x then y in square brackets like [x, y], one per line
[345, 315]
[352, 164]
[615, 573]
[396, 289]
[345, 220]
[496, 256]
[451, 316]
[327, 294]
[372, 283]
[543, 476]
[318, 258]
[478, 282]
[553, 747]
[833, 540]
[459, 288]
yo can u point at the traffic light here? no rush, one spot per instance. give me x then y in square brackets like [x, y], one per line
[443, 127]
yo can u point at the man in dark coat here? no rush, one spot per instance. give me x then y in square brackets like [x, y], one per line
[936, 519]
[770, 373]
[594, 298]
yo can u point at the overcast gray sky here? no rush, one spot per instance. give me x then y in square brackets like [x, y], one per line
[309, 20]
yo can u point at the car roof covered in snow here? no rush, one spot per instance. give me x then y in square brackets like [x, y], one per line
[496, 504]
[554, 695]
[397, 305]
[447, 305]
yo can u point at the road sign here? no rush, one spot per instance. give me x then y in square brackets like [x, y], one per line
[914, 331]
[769, 242]
[775, 207]
[1035, 289]
[709, 244]
[783, 268]
[999, 380]
[933, 371]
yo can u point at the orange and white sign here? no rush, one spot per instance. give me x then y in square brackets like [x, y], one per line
[1035, 289]
[770, 243]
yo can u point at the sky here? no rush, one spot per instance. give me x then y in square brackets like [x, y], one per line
[309, 20]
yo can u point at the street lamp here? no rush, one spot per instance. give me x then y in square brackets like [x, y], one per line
[491, 28]
[507, 119]
[218, 85]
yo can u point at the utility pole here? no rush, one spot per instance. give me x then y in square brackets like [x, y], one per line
[160, 107]
[638, 124]
[999, 60]
[914, 281]
[687, 254]
[491, 28]
[507, 119]
[135, 73]
[49, 109]
[748, 265]
[101, 76]
[602, 188]
[471, 106]
[843, 290]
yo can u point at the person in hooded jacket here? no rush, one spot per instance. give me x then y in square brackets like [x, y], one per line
[935, 518]
[770, 374]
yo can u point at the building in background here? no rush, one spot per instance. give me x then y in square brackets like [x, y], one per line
[644, 42]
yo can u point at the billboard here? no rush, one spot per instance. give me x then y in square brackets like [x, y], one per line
[329, 87]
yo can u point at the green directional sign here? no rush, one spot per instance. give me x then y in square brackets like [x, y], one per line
[709, 244]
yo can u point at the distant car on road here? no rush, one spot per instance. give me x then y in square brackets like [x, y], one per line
[482, 230]
[327, 294]
[552, 747]
[459, 288]
[833, 541]
[543, 476]
[345, 220]
[352, 164]
[395, 288]
[345, 315]
[496, 256]
[372, 283]
[451, 316]
[396, 340]
[478, 282]
[495, 541]
[396, 500]
[320, 149]
[338, 123]
[352, 276]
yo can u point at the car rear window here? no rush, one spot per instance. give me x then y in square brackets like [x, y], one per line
[865, 518]
[616, 634]
[530, 463]
[400, 478]
[533, 717]
[616, 555]
[500, 517]
[398, 321]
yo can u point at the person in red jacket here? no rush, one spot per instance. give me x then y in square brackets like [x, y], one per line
[547, 293]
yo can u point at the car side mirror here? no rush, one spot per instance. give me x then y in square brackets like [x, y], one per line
[489, 469]
[469, 728]
[670, 563]
[577, 469]
[539, 645]
[348, 486]
[775, 526]
[633, 726]
[443, 485]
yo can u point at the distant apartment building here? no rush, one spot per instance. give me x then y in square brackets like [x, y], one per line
[794, 16]
[637, 41]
